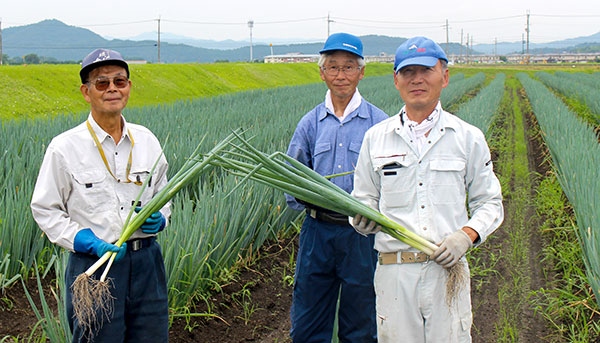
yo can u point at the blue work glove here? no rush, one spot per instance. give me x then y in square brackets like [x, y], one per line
[153, 224]
[88, 243]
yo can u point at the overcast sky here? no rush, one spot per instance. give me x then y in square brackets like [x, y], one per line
[483, 20]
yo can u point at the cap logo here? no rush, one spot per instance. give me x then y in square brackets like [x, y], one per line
[350, 46]
[421, 50]
[412, 47]
[104, 55]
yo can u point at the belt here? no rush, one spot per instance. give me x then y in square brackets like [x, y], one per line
[140, 243]
[399, 257]
[328, 217]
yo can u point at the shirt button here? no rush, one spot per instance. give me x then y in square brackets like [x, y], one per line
[422, 206]
[341, 144]
[121, 208]
[420, 183]
[424, 229]
[116, 153]
[429, 142]
[339, 166]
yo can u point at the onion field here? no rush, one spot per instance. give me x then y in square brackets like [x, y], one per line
[537, 279]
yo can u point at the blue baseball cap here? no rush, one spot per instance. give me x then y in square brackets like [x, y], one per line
[345, 42]
[100, 57]
[420, 51]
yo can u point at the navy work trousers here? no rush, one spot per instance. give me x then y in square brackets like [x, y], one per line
[140, 308]
[333, 260]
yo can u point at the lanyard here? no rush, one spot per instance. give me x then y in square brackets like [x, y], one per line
[101, 151]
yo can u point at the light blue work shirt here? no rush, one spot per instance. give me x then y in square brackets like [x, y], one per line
[329, 146]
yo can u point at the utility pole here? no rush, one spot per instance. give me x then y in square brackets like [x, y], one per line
[527, 30]
[329, 21]
[471, 45]
[461, 44]
[522, 44]
[1, 57]
[495, 46]
[467, 59]
[158, 40]
[447, 41]
[251, 25]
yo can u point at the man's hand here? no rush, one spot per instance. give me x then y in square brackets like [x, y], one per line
[452, 249]
[88, 243]
[364, 226]
[153, 224]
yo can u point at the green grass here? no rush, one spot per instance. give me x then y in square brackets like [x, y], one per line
[34, 91]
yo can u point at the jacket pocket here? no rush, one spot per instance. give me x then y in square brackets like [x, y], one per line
[448, 181]
[92, 191]
[395, 175]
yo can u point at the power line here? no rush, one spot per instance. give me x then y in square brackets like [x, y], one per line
[350, 23]
[567, 15]
[386, 21]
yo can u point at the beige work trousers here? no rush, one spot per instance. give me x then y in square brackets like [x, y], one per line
[412, 306]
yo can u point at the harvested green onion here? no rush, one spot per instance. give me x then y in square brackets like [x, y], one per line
[292, 177]
[92, 298]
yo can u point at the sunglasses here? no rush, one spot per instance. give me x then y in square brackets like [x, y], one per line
[102, 84]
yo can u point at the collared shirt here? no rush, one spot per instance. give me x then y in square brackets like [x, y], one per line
[351, 107]
[330, 146]
[427, 194]
[74, 190]
[418, 131]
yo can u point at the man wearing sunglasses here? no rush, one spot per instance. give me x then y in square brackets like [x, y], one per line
[333, 259]
[89, 180]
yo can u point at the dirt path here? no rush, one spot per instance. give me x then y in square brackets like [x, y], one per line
[508, 267]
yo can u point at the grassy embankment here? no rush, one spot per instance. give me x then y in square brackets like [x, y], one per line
[46, 90]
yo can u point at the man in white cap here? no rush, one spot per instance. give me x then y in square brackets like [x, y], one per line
[421, 168]
[333, 259]
[87, 184]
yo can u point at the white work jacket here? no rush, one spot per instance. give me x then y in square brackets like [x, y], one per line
[428, 194]
[74, 189]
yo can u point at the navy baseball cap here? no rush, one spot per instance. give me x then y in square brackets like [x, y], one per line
[420, 51]
[345, 42]
[100, 57]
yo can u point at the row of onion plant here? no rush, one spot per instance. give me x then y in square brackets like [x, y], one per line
[575, 154]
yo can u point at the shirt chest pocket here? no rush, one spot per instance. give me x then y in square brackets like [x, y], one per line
[395, 176]
[448, 181]
[141, 175]
[92, 191]
[322, 159]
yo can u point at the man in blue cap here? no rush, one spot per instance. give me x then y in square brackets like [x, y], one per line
[88, 182]
[421, 168]
[333, 259]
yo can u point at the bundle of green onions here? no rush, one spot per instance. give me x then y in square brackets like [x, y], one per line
[282, 172]
[294, 178]
[91, 298]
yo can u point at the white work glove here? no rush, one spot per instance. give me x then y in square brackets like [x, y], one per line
[452, 249]
[363, 225]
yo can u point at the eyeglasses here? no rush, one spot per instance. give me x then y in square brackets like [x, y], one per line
[103, 83]
[334, 70]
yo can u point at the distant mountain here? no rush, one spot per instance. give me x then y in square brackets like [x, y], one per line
[54, 39]
[214, 44]
[518, 47]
